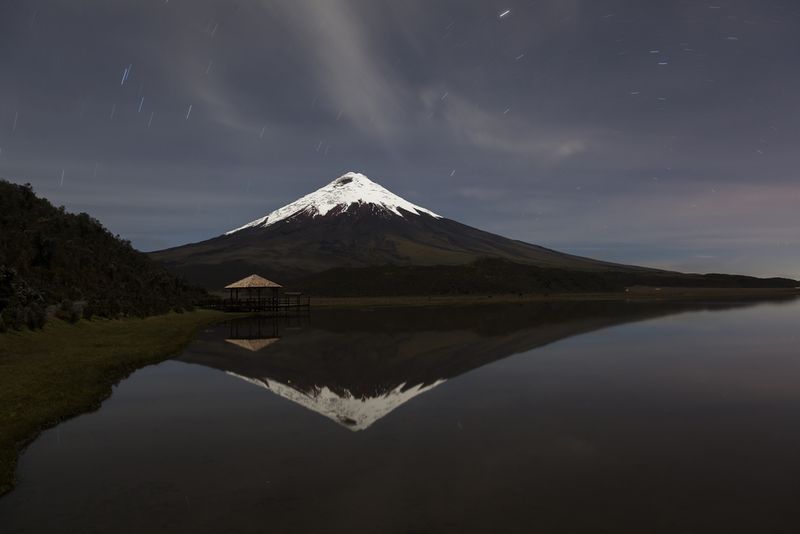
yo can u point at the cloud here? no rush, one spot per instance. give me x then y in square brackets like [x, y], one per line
[503, 132]
[214, 99]
[340, 53]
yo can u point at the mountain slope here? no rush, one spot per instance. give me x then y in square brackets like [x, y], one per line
[489, 276]
[350, 223]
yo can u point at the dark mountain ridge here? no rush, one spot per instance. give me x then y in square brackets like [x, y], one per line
[497, 276]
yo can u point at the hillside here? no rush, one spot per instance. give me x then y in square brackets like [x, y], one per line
[497, 276]
[51, 257]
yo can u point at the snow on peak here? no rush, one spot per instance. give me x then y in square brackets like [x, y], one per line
[350, 411]
[349, 189]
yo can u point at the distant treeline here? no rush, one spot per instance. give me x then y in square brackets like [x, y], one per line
[75, 267]
[495, 276]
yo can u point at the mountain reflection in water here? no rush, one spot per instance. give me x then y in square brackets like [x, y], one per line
[356, 367]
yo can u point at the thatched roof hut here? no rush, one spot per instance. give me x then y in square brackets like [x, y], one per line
[253, 282]
[256, 293]
[253, 285]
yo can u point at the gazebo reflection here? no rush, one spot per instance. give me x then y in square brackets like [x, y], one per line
[253, 334]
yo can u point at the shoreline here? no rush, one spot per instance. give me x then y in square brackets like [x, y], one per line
[65, 370]
[633, 294]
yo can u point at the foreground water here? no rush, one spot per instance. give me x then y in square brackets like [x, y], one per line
[568, 417]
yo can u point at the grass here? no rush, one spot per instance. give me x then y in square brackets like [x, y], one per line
[65, 370]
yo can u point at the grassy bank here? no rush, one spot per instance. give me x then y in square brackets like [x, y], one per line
[48, 376]
[643, 293]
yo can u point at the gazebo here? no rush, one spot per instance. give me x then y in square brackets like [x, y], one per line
[254, 285]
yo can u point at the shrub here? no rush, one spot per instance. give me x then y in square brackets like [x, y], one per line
[8, 316]
[19, 318]
[65, 310]
[34, 317]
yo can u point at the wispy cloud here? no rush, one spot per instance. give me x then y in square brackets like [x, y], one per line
[506, 133]
[351, 76]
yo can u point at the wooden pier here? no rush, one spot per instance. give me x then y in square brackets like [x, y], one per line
[283, 304]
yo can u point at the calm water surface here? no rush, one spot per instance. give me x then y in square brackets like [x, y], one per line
[590, 417]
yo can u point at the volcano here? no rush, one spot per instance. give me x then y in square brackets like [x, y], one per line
[354, 222]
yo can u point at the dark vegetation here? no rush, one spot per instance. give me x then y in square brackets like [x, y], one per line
[68, 265]
[487, 276]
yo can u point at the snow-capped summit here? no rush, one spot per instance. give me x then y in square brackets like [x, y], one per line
[351, 189]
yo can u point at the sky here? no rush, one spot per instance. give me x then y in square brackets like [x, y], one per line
[660, 133]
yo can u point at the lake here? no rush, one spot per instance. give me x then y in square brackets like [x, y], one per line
[555, 417]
